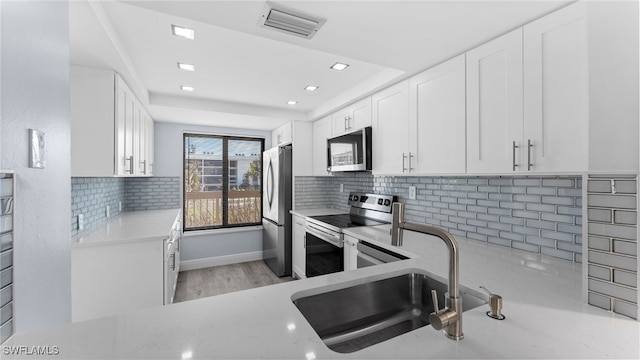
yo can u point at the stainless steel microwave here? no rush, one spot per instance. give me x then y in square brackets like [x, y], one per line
[350, 152]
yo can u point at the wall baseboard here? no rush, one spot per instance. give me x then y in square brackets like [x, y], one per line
[186, 265]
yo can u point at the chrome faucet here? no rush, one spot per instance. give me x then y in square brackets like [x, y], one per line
[451, 316]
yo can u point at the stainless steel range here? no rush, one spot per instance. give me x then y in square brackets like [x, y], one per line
[324, 246]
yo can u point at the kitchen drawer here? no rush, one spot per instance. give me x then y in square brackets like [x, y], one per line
[6, 259]
[6, 295]
[6, 277]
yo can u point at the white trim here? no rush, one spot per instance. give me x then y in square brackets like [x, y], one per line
[196, 233]
[186, 265]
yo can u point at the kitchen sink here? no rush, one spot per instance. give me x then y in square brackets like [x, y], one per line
[359, 316]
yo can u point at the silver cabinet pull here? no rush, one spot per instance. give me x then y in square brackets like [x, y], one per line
[130, 160]
[346, 123]
[144, 166]
[404, 169]
[529, 146]
[410, 157]
[514, 156]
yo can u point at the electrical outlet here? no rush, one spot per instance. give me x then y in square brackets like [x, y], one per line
[80, 222]
[341, 187]
[412, 192]
[120, 206]
[108, 212]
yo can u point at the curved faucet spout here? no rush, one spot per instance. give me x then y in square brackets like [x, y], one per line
[451, 316]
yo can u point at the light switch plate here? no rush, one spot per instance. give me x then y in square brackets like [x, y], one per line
[80, 222]
[412, 192]
[341, 187]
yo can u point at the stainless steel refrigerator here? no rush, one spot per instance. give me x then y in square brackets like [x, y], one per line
[276, 204]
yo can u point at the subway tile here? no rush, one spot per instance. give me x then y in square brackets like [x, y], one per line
[627, 278]
[558, 182]
[526, 247]
[511, 205]
[574, 248]
[556, 200]
[625, 247]
[499, 241]
[526, 214]
[572, 229]
[511, 236]
[526, 230]
[527, 198]
[488, 232]
[599, 186]
[625, 217]
[501, 197]
[625, 308]
[500, 181]
[557, 218]
[513, 190]
[540, 241]
[542, 191]
[541, 207]
[612, 260]
[602, 215]
[479, 237]
[612, 201]
[557, 235]
[625, 186]
[567, 255]
[615, 231]
[599, 243]
[526, 182]
[599, 300]
[541, 224]
[613, 290]
[599, 272]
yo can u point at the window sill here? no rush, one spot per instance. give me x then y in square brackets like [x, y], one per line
[221, 231]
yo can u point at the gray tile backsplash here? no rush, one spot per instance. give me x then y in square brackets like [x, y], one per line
[612, 241]
[536, 214]
[91, 196]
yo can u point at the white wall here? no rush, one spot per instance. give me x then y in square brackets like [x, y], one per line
[35, 95]
[613, 86]
[213, 247]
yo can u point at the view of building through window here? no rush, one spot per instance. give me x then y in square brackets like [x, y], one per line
[222, 181]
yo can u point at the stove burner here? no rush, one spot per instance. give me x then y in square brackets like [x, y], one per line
[344, 221]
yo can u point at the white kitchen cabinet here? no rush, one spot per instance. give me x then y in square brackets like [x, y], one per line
[282, 135]
[298, 246]
[390, 111]
[321, 132]
[527, 98]
[350, 253]
[106, 136]
[494, 105]
[437, 119]
[122, 267]
[556, 92]
[351, 118]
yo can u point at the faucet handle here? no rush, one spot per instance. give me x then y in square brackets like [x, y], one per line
[495, 304]
[434, 300]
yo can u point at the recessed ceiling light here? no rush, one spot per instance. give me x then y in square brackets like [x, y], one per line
[291, 102]
[311, 88]
[339, 66]
[188, 67]
[187, 88]
[183, 32]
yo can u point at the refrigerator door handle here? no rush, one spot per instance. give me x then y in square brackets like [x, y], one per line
[269, 184]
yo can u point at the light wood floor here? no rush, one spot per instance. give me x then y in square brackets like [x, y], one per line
[195, 284]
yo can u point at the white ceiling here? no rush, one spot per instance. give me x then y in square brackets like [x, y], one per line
[245, 73]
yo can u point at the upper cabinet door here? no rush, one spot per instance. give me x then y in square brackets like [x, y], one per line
[556, 92]
[494, 105]
[437, 118]
[321, 132]
[390, 109]
[353, 117]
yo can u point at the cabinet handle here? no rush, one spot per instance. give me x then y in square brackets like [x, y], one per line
[529, 146]
[410, 156]
[404, 169]
[144, 166]
[304, 243]
[130, 160]
[279, 138]
[346, 121]
[173, 261]
[514, 156]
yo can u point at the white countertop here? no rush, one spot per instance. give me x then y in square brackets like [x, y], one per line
[545, 316]
[130, 226]
[317, 212]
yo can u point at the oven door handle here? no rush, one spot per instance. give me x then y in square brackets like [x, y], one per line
[324, 235]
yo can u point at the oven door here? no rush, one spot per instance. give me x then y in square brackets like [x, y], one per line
[324, 253]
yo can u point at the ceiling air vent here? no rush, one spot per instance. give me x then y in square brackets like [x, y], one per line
[290, 21]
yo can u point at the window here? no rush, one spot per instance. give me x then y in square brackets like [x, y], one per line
[222, 181]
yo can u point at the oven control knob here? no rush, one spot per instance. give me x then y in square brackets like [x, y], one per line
[354, 198]
[380, 201]
[387, 202]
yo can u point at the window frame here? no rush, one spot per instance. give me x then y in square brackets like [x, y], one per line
[225, 180]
